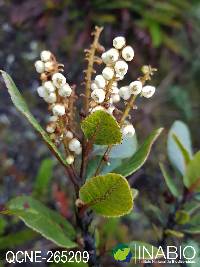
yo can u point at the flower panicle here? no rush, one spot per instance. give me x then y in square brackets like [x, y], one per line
[103, 91]
[55, 90]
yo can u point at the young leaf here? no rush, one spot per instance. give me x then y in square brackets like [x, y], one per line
[132, 164]
[43, 177]
[150, 252]
[21, 105]
[191, 178]
[182, 132]
[101, 128]
[109, 195]
[43, 220]
[170, 182]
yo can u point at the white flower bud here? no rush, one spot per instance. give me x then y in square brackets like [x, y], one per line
[119, 42]
[74, 144]
[115, 98]
[112, 55]
[121, 67]
[92, 110]
[45, 55]
[105, 58]
[148, 91]
[51, 98]
[128, 130]
[49, 66]
[124, 92]
[65, 90]
[58, 79]
[78, 151]
[108, 73]
[94, 86]
[114, 89]
[128, 53]
[42, 92]
[69, 134]
[48, 85]
[58, 110]
[70, 159]
[53, 118]
[98, 95]
[51, 127]
[135, 87]
[119, 77]
[100, 81]
[39, 66]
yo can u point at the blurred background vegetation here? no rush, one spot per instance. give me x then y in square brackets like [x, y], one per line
[164, 34]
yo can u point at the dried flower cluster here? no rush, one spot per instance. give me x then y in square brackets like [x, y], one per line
[58, 94]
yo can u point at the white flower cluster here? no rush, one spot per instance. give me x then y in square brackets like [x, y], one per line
[55, 91]
[114, 71]
[105, 91]
[54, 87]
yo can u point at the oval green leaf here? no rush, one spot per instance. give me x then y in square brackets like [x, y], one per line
[132, 164]
[181, 130]
[101, 128]
[109, 195]
[21, 105]
[43, 220]
[42, 180]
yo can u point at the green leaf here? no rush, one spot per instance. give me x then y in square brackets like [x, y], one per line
[193, 230]
[3, 224]
[191, 206]
[185, 153]
[174, 233]
[182, 132]
[182, 217]
[170, 182]
[43, 220]
[191, 178]
[109, 195]
[195, 220]
[17, 239]
[137, 246]
[156, 33]
[101, 128]
[43, 178]
[131, 165]
[193, 227]
[124, 150]
[21, 105]
[93, 164]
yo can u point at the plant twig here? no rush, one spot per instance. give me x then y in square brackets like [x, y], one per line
[90, 56]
